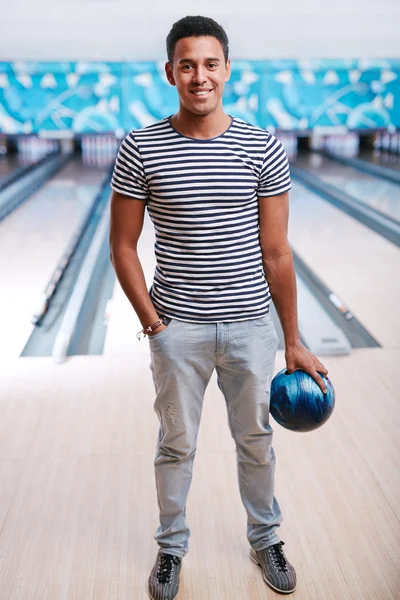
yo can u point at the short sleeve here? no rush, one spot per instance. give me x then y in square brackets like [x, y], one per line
[275, 174]
[128, 175]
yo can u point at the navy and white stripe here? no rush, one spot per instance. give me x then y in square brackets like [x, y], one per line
[202, 197]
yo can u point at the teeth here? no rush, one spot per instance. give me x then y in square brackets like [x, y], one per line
[200, 93]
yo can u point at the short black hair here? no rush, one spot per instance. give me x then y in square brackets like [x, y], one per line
[196, 26]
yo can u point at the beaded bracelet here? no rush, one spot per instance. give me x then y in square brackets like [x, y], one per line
[149, 329]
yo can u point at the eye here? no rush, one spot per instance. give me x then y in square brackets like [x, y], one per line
[212, 65]
[186, 67]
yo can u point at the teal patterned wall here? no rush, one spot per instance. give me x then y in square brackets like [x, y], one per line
[71, 98]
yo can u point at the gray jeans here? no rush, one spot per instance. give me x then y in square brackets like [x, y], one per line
[183, 358]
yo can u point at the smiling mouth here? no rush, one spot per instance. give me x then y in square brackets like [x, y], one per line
[200, 92]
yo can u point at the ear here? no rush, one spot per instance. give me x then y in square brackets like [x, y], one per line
[169, 73]
[228, 69]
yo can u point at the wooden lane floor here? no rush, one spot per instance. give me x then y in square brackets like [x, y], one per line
[32, 241]
[78, 507]
[365, 187]
[359, 265]
[8, 164]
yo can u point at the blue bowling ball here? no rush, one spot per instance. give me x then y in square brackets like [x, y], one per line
[297, 402]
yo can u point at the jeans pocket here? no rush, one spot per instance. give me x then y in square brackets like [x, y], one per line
[265, 326]
[168, 322]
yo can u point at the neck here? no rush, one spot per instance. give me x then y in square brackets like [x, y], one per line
[201, 126]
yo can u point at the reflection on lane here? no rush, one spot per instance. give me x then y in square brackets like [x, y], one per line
[359, 265]
[373, 191]
[8, 164]
[381, 158]
[32, 240]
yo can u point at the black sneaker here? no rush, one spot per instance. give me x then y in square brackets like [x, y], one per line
[164, 577]
[276, 570]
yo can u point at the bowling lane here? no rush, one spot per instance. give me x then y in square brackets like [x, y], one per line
[382, 159]
[359, 265]
[373, 191]
[8, 164]
[32, 241]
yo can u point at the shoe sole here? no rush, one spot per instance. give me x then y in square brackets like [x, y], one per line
[255, 560]
[151, 597]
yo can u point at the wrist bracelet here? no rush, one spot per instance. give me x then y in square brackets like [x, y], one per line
[149, 329]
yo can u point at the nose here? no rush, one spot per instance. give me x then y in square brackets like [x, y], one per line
[199, 75]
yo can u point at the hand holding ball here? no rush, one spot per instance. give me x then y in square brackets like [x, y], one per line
[297, 402]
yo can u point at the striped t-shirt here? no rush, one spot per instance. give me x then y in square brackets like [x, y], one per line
[202, 197]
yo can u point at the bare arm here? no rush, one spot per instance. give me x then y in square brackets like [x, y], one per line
[278, 262]
[127, 217]
[280, 274]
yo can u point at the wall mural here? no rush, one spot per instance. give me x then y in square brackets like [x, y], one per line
[72, 98]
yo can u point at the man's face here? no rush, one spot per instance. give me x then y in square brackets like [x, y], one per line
[199, 73]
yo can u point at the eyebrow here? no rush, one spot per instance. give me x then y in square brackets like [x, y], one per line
[189, 60]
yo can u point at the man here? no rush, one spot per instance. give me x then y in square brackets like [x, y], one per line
[216, 190]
